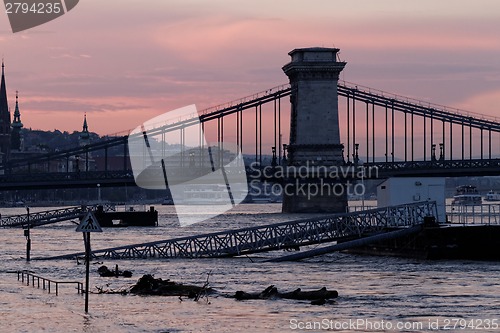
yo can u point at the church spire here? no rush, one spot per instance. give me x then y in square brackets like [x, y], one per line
[4, 119]
[85, 127]
[85, 135]
[4, 105]
[16, 137]
[16, 122]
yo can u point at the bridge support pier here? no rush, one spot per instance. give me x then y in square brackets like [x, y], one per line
[314, 132]
[315, 196]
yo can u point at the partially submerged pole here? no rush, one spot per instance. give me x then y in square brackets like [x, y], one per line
[28, 236]
[350, 244]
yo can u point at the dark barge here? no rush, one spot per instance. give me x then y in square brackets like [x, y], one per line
[442, 241]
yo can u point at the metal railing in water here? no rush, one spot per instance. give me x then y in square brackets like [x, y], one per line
[485, 214]
[26, 276]
[50, 216]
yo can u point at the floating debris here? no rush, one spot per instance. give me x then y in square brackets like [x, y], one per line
[148, 285]
[106, 272]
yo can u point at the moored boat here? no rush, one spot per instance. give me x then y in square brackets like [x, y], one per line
[492, 196]
[467, 195]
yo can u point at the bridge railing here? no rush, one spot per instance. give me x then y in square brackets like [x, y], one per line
[442, 164]
[439, 168]
[66, 176]
[246, 99]
[417, 102]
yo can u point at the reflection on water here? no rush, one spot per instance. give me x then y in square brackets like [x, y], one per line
[371, 288]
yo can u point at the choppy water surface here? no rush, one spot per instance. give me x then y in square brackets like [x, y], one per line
[376, 293]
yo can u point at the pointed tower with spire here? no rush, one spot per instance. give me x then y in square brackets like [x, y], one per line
[4, 120]
[84, 135]
[15, 137]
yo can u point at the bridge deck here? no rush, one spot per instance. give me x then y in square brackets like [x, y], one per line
[272, 237]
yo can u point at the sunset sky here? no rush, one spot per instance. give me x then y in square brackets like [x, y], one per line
[125, 61]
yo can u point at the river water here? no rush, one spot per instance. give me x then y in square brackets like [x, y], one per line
[376, 294]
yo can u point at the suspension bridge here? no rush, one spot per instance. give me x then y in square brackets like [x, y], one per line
[471, 138]
[327, 123]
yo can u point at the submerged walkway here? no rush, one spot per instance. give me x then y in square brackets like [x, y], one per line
[279, 236]
[48, 216]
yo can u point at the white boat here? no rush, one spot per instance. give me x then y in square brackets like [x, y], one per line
[265, 193]
[467, 195]
[210, 194]
[492, 196]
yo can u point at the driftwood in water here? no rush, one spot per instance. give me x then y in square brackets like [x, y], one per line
[148, 285]
[101, 290]
[322, 293]
[104, 271]
[317, 297]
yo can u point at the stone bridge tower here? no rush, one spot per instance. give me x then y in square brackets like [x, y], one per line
[314, 131]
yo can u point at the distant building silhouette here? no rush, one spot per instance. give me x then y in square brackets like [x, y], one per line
[13, 147]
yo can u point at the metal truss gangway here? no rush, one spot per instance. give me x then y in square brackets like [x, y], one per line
[279, 236]
[48, 216]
